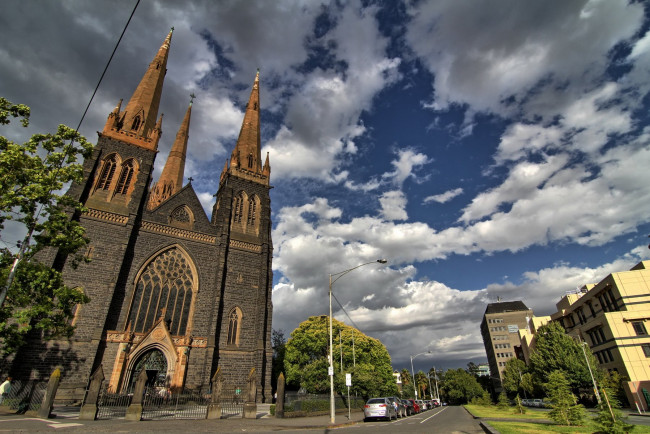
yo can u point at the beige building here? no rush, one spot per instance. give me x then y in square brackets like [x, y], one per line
[613, 317]
[527, 335]
[500, 330]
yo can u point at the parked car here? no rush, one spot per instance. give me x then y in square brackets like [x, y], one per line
[422, 404]
[399, 406]
[416, 406]
[409, 407]
[435, 402]
[379, 408]
[537, 403]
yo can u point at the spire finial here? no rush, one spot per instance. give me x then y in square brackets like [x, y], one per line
[192, 96]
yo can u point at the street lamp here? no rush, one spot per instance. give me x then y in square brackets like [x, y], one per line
[331, 357]
[590, 373]
[415, 389]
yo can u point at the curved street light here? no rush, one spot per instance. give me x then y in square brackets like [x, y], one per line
[415, 389]
[331, 364]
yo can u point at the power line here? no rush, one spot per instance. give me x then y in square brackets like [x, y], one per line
[108, 63]
[346, 314]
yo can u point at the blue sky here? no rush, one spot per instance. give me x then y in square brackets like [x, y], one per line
[485, 149]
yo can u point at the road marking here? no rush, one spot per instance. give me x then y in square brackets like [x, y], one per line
[64, 425]
[434, 415]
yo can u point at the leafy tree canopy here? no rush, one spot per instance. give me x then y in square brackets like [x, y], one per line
[32, 177]
[306, 359]
[555, 350]
[460, 387]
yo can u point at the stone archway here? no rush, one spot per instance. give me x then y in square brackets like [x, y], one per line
[155, 364]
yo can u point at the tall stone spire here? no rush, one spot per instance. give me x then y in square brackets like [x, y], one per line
[247, 153]
[171, 179]
[136, 124]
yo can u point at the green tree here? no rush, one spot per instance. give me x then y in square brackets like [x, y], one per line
[472, 368]
[516, 378]
[503, 400]
[564, 407]
[306, 360]
[609, 418]
[422, 383]
[518, 405]
[407, 384]
[555, 350]
[460, 387]
[32, 176]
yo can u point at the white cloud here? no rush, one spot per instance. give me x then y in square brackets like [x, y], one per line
[444, 197]
[393, 205]
[407, 161]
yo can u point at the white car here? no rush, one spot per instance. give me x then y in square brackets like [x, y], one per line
[379, 408]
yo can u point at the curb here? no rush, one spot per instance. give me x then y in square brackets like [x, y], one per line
[488, 428]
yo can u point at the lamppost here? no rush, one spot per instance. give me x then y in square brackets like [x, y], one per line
[415, 389]
[590, 373]
[331, 364]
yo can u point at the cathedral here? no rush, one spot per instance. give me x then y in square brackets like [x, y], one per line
[171, 291]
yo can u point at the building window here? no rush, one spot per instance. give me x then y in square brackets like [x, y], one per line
[238, 208]
[252, 210]
[591, 308]
[234, 326]
[165, 287]
[126, 175]
[136, 123]
[646, 349]
[581, 316]
[639, 328]
[106, 175]
[250, 161]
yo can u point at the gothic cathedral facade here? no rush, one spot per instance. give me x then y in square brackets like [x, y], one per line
[170, 290]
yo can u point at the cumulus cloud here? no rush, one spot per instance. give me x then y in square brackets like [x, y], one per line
[393, 205]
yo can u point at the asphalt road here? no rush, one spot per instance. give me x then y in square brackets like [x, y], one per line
[449, 419]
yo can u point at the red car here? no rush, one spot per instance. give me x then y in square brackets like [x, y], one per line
[416, 407]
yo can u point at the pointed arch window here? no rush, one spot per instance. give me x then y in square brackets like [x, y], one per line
[234, 326]
[250, 161]
[238, 208]
[252, 210]
[107, 173]
[136, 123]
[126, 175]
[165, 285]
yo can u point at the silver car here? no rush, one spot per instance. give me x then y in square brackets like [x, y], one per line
[379, 408]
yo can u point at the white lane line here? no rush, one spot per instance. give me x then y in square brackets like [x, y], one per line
[434, 415]
[65, 425]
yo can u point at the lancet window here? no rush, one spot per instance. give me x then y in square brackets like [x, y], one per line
[136, 123]
[238, 208]
[252, 211]
[234, 326]
[166, 287]
[126, 175]
[107, 172]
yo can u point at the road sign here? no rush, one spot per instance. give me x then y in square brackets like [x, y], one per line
[348, 380]
[330, 371]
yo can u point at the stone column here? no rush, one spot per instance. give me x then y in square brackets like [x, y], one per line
[250, 407]
[279, 403]
[48, 400]
[89, 409]
[134, 412]
[214, 409]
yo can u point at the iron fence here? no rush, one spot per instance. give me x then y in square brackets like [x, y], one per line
[25, 395]
[112, 405]
[160, 403]
[232, 401]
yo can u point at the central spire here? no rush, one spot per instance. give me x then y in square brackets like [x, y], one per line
[171, 179]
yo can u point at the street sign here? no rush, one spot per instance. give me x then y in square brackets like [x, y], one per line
[330, 371]
[348, 380]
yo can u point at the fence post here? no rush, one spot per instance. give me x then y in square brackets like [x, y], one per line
[279, 402]
[250, 407]
[214, 409]
[89, 409]
[134, 412]
[48, 400]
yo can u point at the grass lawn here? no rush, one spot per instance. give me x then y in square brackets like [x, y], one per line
[494, 411]
[530, 428]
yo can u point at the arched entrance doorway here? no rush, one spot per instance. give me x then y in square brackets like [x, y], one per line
[154, 363]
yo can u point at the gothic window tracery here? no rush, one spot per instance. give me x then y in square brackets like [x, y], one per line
[238, 207]
[250, 161]
[234, 326]
[126, 175]
[107, 172]
[252, 210]
[166, 286]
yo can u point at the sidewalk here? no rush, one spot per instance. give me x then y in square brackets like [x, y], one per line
[66, 420]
